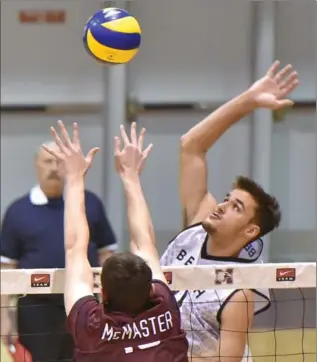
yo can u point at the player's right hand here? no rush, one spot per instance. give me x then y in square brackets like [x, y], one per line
[272, 90]
[132, 157]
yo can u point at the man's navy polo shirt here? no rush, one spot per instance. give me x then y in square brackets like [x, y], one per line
[33, 231]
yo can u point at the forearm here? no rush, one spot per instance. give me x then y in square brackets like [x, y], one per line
[5, 299]
[139, 219]
[201, 137]
[75, 221]
[8, 310]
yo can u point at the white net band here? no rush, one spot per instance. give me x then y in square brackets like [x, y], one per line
[270, 276]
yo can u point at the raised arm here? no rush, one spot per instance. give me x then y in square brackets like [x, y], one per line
[79, 277]
[129, 162]
[268, 92]
[236, 320]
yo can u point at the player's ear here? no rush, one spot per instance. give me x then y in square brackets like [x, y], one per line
[252, 231]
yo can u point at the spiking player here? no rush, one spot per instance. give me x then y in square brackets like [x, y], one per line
[139, 319]
[217, 321]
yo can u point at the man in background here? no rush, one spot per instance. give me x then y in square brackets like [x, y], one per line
[33, 237]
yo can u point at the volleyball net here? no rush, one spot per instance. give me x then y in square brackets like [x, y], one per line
[284, 332]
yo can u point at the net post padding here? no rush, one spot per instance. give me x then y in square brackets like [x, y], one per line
[270, 276]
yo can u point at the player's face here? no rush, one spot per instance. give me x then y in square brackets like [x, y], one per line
[49, 171]
[233, 217]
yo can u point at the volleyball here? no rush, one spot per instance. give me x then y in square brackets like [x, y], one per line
[112, 36]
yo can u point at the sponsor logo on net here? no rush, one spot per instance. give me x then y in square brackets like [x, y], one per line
[97, 282]
[168, 277]
[224, 276]
[40, 280]
[285, 274]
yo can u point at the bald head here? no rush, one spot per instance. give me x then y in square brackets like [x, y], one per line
[49, 171]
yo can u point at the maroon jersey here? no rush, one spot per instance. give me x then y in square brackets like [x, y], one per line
[155, 335]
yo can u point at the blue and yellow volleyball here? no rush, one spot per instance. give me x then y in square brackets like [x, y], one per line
[112, 36]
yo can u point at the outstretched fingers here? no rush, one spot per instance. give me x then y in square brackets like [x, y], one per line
[141, 139]
[289, 83]
[76, 139]
[273, 69]
[65, 134]
[53, 152]
[283, 73]
[134, 139]
[147, 151]
[124, 136]
[91, 154]
[58, 140]
[117, 146]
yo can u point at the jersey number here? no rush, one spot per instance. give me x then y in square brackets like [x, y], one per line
[250, 250]
[128, 350]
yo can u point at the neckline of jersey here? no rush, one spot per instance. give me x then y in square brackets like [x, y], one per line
[204, 255]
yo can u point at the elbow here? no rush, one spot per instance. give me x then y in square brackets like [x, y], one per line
[190, 146]
[186, 142]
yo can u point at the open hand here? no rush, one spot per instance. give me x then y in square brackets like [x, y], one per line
[132, 157]
[69, 152]
[272, 90]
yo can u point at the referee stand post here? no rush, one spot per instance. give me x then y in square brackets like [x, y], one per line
[114, 114]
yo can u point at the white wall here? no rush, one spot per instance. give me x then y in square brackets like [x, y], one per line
[296, 42]
[294, 180]
[47, 63]
[187, 54]
[294, 153]
[193, 48]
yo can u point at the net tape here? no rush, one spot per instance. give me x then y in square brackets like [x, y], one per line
[271, 276]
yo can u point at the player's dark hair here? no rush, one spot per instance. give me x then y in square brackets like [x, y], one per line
[126, 280]
[268, 212]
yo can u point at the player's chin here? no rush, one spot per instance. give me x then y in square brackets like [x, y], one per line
[209, 225]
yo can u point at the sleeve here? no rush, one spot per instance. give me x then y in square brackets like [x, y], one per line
[10, 246]
[168, 256]
[83, 318]
[105, 238]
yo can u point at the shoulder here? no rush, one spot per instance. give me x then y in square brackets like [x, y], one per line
[236, 302]
[92, 196]
[85, 311]
[188, 232]
[17, 205]
[243, 295]
[189, 240]
[93, 202]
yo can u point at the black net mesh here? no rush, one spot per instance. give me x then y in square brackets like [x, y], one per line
[285, 332]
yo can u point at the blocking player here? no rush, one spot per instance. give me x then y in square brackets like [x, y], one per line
[139, 318]
[217, 321]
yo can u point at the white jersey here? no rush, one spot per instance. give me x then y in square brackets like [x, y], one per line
[201, 309]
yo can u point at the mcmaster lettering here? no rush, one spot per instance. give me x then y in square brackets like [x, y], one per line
[142, 329]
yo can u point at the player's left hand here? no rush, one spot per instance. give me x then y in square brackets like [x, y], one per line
[131, 157]
[69, 151]
[272, 90]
